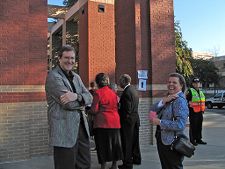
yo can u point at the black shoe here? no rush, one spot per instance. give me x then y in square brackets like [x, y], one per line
[137, 161]
[120, 166]
[194, 143]
[200, 142]
[125, 167]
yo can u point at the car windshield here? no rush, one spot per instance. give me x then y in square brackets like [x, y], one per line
[218, 95]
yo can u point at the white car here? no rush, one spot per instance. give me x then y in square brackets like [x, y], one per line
[217, 100]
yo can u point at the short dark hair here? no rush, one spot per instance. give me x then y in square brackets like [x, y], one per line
[65, 48]
[92, 84]
[102, 80]
[181, 80]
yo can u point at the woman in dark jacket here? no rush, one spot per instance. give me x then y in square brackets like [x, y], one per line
[106, 123]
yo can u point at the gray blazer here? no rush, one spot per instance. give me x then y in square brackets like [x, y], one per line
[179, 109]
[64, 120]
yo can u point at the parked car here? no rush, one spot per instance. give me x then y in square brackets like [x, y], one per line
[217, 100]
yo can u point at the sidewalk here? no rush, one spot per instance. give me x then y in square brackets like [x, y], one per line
[210, 156]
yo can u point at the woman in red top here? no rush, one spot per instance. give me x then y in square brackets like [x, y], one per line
[106, 123]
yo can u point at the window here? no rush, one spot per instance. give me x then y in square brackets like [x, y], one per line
[101, 8]
[218, 95]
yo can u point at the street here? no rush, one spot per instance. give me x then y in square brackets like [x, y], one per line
[212, 155]
[216, 110]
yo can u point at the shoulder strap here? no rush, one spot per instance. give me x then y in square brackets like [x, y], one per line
[174, 118]
[159, 113]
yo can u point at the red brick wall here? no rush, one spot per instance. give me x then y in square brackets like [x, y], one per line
[142, 33]
[125, 38]
[101, 40]
[23, 42]
[15, 97]
[83, 47]
[162, 41]
[97, 35]
[145, 41]
[36, 71]
[23, 67]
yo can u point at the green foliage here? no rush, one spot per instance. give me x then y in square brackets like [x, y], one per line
[206, 71]
[190, 67]
[183, 54]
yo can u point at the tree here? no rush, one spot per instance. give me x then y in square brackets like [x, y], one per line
[183, 53]
[190, 67]
[69, 2]
[206, 71]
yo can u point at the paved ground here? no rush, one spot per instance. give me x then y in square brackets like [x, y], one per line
[210, 156]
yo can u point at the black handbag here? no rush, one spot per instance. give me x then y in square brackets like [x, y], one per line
[182, 145]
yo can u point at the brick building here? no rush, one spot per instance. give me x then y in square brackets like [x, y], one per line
[23, 64]
[115, 36]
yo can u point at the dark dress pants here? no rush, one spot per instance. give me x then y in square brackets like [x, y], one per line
[136, 146]
[77, 157]
[195, 131]
[169, 159]
[130, 144]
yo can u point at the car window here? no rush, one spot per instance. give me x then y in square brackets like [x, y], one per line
[218, 95]
[223, 97]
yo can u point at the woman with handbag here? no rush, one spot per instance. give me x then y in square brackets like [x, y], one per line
[172, 113]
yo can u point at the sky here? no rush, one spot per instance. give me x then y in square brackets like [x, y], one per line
[55, 2]
[202, 24]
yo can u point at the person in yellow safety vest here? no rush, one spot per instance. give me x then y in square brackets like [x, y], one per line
[196, 100]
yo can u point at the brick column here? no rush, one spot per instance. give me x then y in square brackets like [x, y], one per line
[97, 39]
[162, 44]
[23, 65]
[145, 41]
[125, 38]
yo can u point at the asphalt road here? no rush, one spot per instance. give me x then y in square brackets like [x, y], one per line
[217, 111]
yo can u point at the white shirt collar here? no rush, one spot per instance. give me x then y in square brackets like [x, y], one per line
[126, 86]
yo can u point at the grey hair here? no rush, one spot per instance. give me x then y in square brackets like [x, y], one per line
[125, 79]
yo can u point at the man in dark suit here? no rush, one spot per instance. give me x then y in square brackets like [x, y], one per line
[67, 97]
[130, 123]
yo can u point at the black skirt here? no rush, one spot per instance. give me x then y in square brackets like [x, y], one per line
[108, 144]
